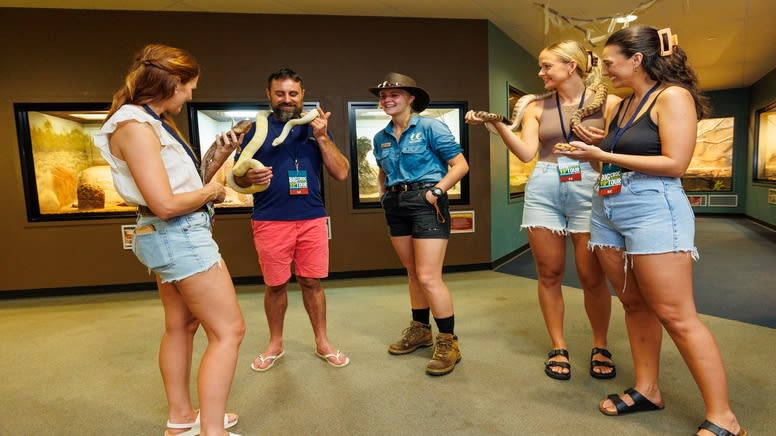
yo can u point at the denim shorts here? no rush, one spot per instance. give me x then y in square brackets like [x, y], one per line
[562, 207]
[177, 248]
[408, 213]
[650, 215]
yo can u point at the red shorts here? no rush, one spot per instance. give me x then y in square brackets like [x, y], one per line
[303, 242]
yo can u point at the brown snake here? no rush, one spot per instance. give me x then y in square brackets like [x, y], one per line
[242, 126]
[601, 92]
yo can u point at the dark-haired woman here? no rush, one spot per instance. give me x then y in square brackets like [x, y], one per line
[154, 168]
[643, 226]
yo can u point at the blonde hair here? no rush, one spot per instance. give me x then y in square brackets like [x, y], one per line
[588, 68]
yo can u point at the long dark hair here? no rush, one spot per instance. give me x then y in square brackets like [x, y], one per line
[673, 69]
[155, 72]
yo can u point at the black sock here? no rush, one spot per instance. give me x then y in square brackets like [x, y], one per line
[421, 315]
[446, 325]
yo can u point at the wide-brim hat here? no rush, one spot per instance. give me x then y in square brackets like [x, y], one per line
[407, 83]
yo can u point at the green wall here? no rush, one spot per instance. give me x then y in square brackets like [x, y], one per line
[508, 64]
[761, 94]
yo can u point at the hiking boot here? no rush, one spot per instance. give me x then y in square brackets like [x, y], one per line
[446, 355]
[413, 337]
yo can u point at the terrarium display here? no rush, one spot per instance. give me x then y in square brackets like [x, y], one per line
[765, 146]
[711, 167]
[206, 120]
[366, 120]
[65, 175]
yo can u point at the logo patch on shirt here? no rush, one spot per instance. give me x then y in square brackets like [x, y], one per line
[416, 137]
[385, 145]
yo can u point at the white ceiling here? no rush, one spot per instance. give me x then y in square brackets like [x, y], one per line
[729, 42]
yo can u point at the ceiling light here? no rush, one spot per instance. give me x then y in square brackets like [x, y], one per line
[626, 19]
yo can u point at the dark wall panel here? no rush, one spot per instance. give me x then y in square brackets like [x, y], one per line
[82, 56]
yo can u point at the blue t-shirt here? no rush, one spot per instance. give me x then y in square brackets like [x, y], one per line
[276, 203]
[420, 156]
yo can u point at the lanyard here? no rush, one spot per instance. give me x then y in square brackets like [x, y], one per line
[567, 137]
[294, 154]
[174, 134]
[621, 130]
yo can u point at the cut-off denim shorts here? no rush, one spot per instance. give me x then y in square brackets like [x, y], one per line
[562, 207]
[177, 248]
[650, 215]
[408, 213]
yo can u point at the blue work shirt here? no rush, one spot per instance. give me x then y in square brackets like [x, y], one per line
[421, 155]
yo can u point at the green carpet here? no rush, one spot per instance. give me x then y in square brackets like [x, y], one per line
[86, 365]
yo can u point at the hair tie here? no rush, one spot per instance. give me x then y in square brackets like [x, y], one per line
[667, 41]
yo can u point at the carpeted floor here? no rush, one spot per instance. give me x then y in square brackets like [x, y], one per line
[734, 276]
[86, 365]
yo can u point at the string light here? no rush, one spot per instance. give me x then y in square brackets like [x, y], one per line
[557, 18]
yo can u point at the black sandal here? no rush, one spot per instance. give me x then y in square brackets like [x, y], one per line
[601, 363]
[717, 430]
[640, 404]
[555, 364]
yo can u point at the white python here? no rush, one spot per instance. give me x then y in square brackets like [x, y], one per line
[246, 161]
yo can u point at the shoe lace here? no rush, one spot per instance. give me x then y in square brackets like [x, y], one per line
[442, 348]
[411, 333]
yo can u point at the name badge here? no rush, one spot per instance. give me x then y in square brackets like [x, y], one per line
[297, 182]
[385, 145]
[569, 169]
[610, 180]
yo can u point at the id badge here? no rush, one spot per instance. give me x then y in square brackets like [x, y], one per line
[569, 169]
[610, 181]
[297, 182]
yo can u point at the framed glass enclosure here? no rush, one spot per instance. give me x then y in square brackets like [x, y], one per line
[206, 120]
[519, 171]
[366, 119]
[64, 175]
[711, 167]
[765, 145]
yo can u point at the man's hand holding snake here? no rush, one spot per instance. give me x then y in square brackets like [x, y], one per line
[320, 125]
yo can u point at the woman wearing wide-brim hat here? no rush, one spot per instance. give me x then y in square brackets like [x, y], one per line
[419, 161]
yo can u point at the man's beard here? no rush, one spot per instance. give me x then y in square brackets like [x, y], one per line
[285, 115]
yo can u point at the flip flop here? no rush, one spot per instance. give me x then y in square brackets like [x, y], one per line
[335, 356]
[262, 358]
[640, 404]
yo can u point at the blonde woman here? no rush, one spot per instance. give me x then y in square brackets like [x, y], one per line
[558, 194]
[419, 161]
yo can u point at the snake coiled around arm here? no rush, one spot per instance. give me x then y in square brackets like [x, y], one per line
[246, 161]
[601, 92]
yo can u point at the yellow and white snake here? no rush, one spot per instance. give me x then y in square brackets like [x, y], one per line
[246, 161]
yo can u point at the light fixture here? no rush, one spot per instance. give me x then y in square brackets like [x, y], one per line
[626, 19]
[241, 114]
[98, 116]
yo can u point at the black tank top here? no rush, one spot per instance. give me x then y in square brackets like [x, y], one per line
[642, 138]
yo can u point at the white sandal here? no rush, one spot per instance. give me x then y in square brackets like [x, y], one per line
[194, 427]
